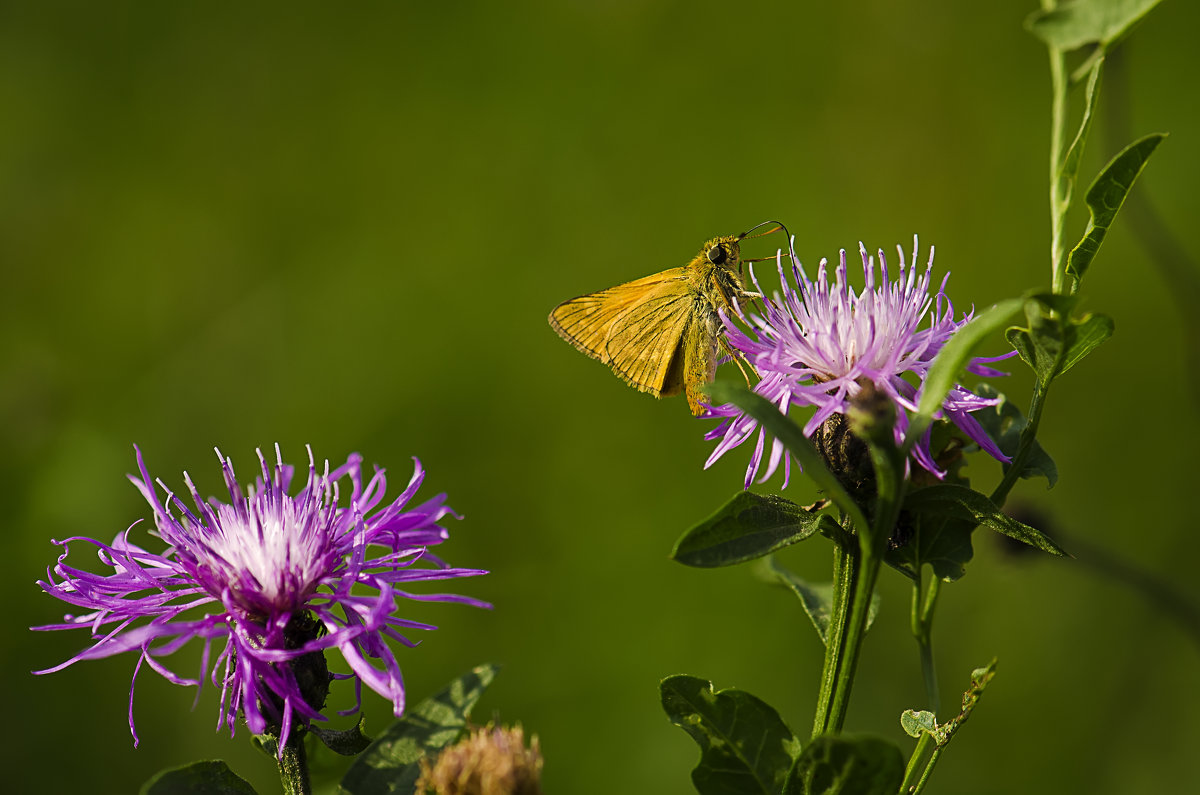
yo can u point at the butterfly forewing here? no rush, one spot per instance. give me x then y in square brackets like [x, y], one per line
[660, 334]
[586, 321]
[643, 342]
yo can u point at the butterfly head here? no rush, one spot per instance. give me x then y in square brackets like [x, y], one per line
[724, 253]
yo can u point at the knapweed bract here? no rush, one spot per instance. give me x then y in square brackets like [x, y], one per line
[272, 581]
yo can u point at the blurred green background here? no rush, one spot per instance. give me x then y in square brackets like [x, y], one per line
[345, 227]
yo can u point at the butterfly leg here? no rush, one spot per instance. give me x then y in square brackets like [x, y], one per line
[741, 361]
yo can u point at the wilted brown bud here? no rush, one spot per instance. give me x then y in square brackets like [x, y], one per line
[490, 761]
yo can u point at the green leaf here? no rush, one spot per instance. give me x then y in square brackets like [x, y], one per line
[1074, 24]
[917, 723]
[792, 437]
[1105, 197]
[1069, 169]
[959, 502]
[817, 600]
[747, 527]
[1086, 335]
[1004, 424]
[199, 778]
[745, 747]
[348, 742]
[391, 764]
[950, 362]
[943, 544]
[1054, 342]
[843, 764]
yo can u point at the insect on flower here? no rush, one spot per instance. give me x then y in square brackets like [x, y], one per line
[661, 334]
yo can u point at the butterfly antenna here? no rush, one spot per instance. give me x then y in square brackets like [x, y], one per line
[779, 226]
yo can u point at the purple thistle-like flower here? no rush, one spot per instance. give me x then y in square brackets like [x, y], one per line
[819, 343]
[281, 579]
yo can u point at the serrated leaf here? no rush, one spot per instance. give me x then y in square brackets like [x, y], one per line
[950, 362]
[917, 723]
[959, 502]
[1105, 197]
[1004, 424]
[817, 600]
[747, 527]
[1074, 24]
[211, 777]
[745, 747]
[843, 764]
[391, 763]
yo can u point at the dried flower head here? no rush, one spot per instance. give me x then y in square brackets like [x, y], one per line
[279, 579]
[489, 761]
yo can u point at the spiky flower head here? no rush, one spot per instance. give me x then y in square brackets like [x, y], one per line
[820, 345]
[275, 579]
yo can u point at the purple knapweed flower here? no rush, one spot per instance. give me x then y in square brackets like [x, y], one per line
[280, 578]
[819, 343]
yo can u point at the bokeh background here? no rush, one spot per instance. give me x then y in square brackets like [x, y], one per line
[345, 226]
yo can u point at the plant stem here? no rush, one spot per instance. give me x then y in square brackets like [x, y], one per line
[914, 768]
[1058, 123]
[845, 573]
[933, 760]
[856, 628]
[1028, 434]
[841, 661]
[293, 767]
[922, 629]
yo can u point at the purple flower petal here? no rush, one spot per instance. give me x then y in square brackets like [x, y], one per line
[244, 569]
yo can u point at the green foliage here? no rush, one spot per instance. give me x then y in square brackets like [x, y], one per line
[917, 723]
[1054, 342]
[943, 544]
[817, 600]
[745, 747]
[198, 778]
[391, 764]
[1004, 424]
[349, 742]
[1105, 197]
[1074, 24]
[950, 362]
[1069, 169]
[792, 436]
[958, 502]
[748, 527]
[840, 764]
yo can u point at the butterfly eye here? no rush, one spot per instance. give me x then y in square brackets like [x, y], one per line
[716, 255]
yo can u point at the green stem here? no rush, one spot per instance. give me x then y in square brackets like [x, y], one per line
[933, 760]
[845, 573]
[1058, 124]
[914, 768]
[856, 628]
[872, 543]
[922, 629]
[1028, 434]
[293, 767]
